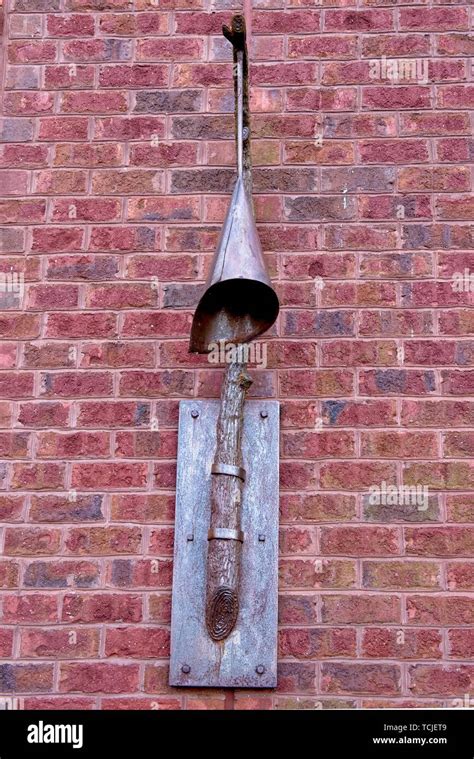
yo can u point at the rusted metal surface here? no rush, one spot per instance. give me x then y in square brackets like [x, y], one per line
[247, 656]
[239, 302]
[228, 476]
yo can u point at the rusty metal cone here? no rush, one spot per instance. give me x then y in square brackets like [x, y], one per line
[239, 302]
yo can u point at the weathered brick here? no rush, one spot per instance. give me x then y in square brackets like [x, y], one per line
[98, 678]
[382, 679]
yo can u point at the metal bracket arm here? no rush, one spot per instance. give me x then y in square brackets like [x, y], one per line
[229, 469]
[224, 533]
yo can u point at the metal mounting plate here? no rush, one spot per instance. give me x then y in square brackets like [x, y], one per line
[237, 662]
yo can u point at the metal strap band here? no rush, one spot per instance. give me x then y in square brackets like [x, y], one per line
[223, 533]
[234, 471]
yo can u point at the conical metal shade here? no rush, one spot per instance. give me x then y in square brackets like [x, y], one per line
[239, 302]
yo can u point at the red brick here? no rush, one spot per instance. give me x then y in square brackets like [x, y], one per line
[381, 679]
[383, 643]
[109, 475]
[76, 384]
[99, 155]
[400, 575]
[137, 642]
[112, 354]
[440, 541]
[437, 680]
[132, 76]
[141, 573]
[449, 610]
[135, 704]
[38, 476]
[98, 678]
[61, 574]
[308, 574]
[336, 46]
[45, 414]
[113, 414]
[103, 540]
[81, 325]
[65, 643]
[348, 609]
[437, 413]
[30, 608]
[70, 25]
[29, 678]
[461, 643]
[102, 607]
[156, 384]
[32, 52]
[142, 508]
[28, 156]
[316, 643]
[31, 541]
[63, 128]
[434, 19]
[62, 77]
[94, 102]
[96, 50]
[455, 44]
[6, 644]
[359, 541]
[355, 476]
[69, 508]
[358, 21]
[460, 507]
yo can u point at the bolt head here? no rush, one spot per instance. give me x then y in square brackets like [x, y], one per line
[186, 669]
[260, 669]
[194, 413]
[261, 538]
[190, 538]
[264, 414]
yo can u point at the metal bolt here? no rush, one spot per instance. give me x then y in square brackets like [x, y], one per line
[245, 133]
[261, 538]
[186, 669]
[260, 669]
[194, 413]
[264, 414]
[190, 538]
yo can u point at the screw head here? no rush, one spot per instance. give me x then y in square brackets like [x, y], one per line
[260, 669]
[264, 414]
[194, 413]
[261, 538]
[186, 669]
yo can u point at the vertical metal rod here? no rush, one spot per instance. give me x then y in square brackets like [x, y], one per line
[240, 113]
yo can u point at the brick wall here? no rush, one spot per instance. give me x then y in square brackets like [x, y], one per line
[117, 161]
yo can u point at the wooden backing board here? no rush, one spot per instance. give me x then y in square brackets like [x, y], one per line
[247, 658]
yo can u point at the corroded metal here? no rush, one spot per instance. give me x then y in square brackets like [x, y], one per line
[232, 661]
[228, 475]
[239, 302]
